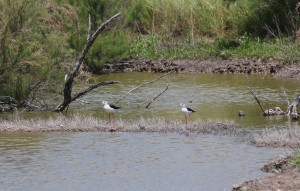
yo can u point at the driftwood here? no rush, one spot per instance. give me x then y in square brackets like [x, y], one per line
[135, 88]
[292, 109]
[67, 92]
[274, 111]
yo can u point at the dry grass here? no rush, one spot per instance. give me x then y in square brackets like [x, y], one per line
[271, 137]
[89, 123]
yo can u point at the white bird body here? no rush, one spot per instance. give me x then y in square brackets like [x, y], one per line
[110, 109]
[187, 111]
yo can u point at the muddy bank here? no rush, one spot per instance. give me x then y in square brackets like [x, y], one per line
[248, 66]
[287, 177]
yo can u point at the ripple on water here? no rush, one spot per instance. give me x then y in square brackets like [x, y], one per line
[127, 161]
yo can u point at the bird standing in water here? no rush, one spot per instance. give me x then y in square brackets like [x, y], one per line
[110, 109]
[187, 112]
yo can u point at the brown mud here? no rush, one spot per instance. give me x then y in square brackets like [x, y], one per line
[275, 68]
[286, 177]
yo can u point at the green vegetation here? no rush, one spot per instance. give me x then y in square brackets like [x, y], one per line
[153, 46]
[40, 40]
[296, 160]
[33, 46]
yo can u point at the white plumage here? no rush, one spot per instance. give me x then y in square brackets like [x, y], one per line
[187, 112]
[110, 109]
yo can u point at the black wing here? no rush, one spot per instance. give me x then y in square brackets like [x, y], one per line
[189, 109]
[114, 107]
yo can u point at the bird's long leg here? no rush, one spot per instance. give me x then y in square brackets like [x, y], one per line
[113, 123]
[185, 121]
[190, 122]
[109, 118]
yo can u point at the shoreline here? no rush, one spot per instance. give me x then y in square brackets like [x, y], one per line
[274, 68]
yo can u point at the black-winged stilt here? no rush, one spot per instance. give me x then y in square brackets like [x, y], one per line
[187, 112]
[110, 109]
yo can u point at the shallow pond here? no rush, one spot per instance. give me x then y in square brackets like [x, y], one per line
[213, 96]
[138, 161]
[127, 161]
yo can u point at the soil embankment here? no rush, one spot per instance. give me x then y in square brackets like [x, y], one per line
[286, 177]
[280, 69]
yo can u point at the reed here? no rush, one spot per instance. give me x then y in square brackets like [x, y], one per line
[77, 123]
[289, 137]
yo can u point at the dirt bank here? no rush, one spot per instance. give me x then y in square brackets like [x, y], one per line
[286, 177]
[248, 65]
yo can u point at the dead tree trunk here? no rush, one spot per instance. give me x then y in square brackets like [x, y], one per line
[292, 109]
[74, 73]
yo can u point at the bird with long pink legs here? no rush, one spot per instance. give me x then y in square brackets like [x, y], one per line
[187, 112]
[110, 109]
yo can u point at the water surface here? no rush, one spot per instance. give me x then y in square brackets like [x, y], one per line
[138, 161]
[127, 161]
[213, 96]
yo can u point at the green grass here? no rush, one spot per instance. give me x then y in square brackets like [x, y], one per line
[155, 46]
[296, 160]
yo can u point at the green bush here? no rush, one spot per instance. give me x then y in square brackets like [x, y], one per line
[110, 46]
[33, 44]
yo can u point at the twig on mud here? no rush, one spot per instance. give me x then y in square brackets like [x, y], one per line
[145, 83]
[254, 95]
[156, 96]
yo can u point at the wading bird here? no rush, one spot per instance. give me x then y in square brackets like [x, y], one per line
[110, 109]
[187, 112]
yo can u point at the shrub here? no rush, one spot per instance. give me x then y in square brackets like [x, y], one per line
[33, 43]
[110, 46]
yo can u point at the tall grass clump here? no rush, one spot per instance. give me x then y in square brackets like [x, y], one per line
[190, 18]
[264, 17]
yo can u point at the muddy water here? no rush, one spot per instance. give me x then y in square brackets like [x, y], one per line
[124, 161]
[137, 161]
[212, 96]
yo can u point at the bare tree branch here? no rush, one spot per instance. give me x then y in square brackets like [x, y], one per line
[83, 92]
[74, 73]
[254, 95]
[156, 96]
[135, 88]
